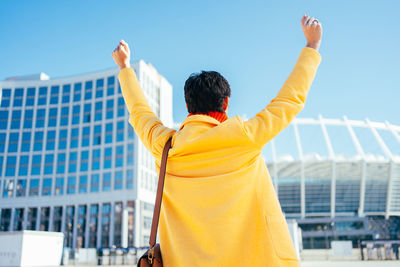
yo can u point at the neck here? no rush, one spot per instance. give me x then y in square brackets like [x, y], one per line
[219, 116]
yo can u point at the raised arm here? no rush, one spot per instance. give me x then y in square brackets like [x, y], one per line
[292, 96]
[147, 125]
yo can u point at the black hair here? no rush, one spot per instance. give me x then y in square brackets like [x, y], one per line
[206, 92]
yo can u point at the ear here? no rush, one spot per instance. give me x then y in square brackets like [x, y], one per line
[225, 104]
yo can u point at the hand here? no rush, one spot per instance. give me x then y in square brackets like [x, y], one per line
[312, 29]
[122, 55]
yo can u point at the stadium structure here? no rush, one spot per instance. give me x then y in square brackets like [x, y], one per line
[338, 178]
[70, 162]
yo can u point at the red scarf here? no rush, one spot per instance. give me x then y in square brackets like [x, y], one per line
[219, 116]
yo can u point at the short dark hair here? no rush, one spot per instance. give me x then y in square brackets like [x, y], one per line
[206, 92]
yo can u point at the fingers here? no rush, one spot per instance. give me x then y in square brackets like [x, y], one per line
[309, 21]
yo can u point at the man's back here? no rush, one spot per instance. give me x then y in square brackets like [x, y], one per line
[219, 206]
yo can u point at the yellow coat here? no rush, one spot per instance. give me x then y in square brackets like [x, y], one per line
[219, 206]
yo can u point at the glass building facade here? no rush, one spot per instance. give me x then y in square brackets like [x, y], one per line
[70, 162]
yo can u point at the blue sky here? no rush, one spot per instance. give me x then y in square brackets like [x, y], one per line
[254, 44]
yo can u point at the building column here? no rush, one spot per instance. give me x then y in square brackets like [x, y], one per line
[87, 226]
[98, 239]
[51, 216]
[124, 226]
[38, 216]
[63, 216]
[12, 220]
[75, 230]
[111, 233]
[25, 223]
[137, 223]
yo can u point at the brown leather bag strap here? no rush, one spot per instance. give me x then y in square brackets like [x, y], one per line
[160, 188]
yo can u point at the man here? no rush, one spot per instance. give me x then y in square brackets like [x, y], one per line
[219, 206]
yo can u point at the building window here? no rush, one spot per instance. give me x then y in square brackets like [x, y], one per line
[48, 164]
[99, 88]
[26, 142]
[77, 92]
[8, 189]
[52, 117]
[3, 119]
[42, 99]
[97, 135]
[28, 119]
[106, 181]
[23, 165]
[88, 90]
[81, 226]
[71, 184]
[32, 216]
[18, 96]
[30, 98]
[110, 85]
[36, 164]
[61, 163]
[38, 141]
[93, 224]
[87, 112]
[51, 140]
[21, 188]
[57, 219]
[18, 219]
[76, 110]
[96, 159]
[5, 220]
[109, 131]
[107, 157]
[40, 117]
[16, 119]
[94, 183]
[84, 160]
[34, 187]
[98, 113]
[44, 218]
[119, 156]
[117, 224]
[120, 131]
[66, 93]
[131, 133]
[118, 180]
[105, 225]
[59, 190]
[11, 165]
[13, 142]
[2, 143]
[129, 179]
[74, 138]
[64, 116]
[121, 107]
[85, 136]
[69, 226]
[110, 109]
[46, 187]
[54, 92]
[62, 139]
[83, 184]
[147, 222]
[1, 166]
[5, 98]
[73, 159]
[130, 154]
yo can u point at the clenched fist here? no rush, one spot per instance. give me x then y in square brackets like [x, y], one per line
[312, 29]
[122, 55]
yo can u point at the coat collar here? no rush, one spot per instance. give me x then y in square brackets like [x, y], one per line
[199, 118]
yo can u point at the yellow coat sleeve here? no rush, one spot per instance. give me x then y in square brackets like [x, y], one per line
[147, 125]
[288, 103]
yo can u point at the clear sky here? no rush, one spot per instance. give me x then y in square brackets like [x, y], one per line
[254, 44]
